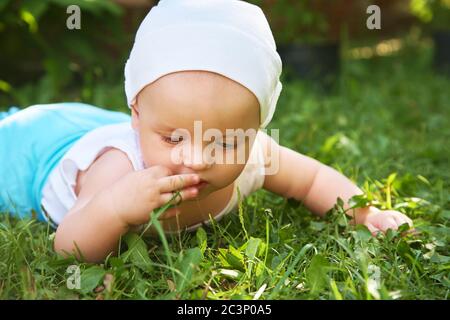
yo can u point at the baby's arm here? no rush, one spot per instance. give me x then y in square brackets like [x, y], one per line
[92, 222]
[318, 187]
[112, 199]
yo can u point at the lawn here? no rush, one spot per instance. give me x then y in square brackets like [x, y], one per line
[386, 126]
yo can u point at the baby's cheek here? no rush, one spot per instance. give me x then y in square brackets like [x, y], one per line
[227, 173]
[154, 157]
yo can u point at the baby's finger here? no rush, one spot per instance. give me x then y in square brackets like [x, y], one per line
[404, 218]
[374, 230]
[173, 198]
[158, 171]
[172, 183]
[388, 223]
[401, 219]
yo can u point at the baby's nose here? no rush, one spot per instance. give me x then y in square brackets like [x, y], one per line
[196, 160]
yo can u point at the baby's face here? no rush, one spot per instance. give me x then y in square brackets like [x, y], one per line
[169, 112]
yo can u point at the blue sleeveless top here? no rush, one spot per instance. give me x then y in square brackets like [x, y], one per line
[33, 140]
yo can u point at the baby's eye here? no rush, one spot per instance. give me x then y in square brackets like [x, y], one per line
[172, 140]
[227, 146]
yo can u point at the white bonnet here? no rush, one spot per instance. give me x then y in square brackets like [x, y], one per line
[228, 37]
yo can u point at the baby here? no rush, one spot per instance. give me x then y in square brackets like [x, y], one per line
[198, 70]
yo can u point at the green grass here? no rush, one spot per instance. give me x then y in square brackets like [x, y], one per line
[386, 126]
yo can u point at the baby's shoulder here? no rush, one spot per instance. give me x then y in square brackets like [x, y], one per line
[108, 167]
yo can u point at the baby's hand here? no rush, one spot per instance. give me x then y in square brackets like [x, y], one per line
[377, 220]
[138, 193]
